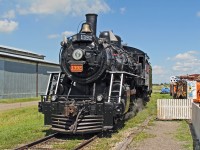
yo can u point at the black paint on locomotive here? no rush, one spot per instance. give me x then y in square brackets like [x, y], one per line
[100, 84]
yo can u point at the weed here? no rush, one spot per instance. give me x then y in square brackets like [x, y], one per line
[143, 135]
[20, 126]
[183, 134]
[150, 110]
[17, 100]
[26, 124]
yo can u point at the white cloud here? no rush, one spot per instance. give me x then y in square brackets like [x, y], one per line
[198, 14]
[181, 64]
[168, 58]
[158, 70]
[53, 36]
[7, 26]
[187, 55]
[9, 14]
[67, 7]
[68, 33]
[187, 66]
[187, 62]
[160, 75]
[181, 67]
[122, 10]
[65, 33]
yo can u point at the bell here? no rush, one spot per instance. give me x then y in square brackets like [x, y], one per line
[85, 28]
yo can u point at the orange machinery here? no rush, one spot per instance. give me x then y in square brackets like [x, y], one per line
[194, 77]
[179, 89]
[197, 100]
[191, 77]
[173, 89]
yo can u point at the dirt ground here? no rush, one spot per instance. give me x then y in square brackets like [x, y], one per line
[161, 137]
[161, 133]
[4, 107]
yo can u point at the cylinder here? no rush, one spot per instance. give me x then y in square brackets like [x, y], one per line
[91, 19]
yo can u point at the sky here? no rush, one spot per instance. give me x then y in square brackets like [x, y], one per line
[167, 30]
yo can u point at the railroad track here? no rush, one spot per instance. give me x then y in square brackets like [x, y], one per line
[85, 140]
[85, 143]
[123, 145]
[40, 141]
[47, 142]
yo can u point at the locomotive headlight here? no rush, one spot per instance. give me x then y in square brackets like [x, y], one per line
[54, 97]
[77, 54]
[99, 97]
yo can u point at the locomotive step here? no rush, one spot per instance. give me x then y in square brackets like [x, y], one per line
[78, 127]
[88, 116]
[80, 124]
[89, 127]
[81, 120]
[115, 91]
[78, 131]
[61, 122]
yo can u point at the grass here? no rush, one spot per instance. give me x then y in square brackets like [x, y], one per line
[26, 124]
[17, 100]
[143, 135]
[69, 144]
[157, 88]
[183, 134]
[150, 110]
[15, 123]
[21, 126]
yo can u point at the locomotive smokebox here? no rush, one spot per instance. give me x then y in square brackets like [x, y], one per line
[91, 19]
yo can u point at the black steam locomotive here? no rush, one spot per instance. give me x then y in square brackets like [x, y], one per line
[100, 82]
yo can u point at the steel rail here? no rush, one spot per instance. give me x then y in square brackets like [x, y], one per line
[37, 142]
[85, 143]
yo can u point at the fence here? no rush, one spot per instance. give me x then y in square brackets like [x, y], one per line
[168, 109]
[195, 119]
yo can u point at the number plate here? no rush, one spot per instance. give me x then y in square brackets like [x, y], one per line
[76, 68]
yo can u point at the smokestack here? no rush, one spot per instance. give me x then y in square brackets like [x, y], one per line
[92, 20]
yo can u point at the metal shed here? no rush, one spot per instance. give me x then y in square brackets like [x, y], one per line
[23, 73]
